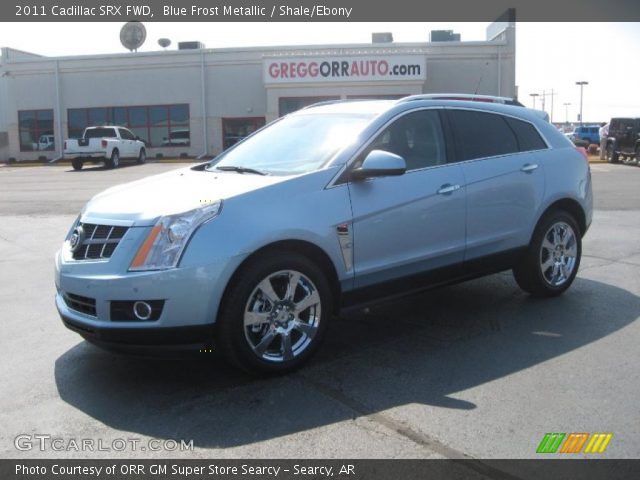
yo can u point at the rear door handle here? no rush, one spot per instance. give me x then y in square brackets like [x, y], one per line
[529, 167]
[447, 189]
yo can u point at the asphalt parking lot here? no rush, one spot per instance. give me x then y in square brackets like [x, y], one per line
[474, 370]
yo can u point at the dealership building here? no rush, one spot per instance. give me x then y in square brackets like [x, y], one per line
[198, 101]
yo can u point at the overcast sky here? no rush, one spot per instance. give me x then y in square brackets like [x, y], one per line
[549, 55]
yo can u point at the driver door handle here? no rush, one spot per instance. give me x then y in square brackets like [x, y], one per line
[447, 189]
[529, 167]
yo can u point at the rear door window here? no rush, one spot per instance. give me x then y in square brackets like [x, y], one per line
[481, 134]
[126, 134]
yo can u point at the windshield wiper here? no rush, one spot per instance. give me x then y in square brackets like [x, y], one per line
[233, 168]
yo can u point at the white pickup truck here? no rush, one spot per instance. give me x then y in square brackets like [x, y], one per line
[108, 144]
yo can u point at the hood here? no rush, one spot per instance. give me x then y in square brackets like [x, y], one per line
[143, 201]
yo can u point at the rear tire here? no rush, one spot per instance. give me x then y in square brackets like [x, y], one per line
[612, 155]
[274, 314]
[142, 157]
[114, 161]
[76, 163]
[552, 259]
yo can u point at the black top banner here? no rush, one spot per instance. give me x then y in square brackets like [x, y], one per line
[316, 10]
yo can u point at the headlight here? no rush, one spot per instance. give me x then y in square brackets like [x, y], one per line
[165, 243]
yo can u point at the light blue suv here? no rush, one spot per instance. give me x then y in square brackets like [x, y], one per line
[336, 205]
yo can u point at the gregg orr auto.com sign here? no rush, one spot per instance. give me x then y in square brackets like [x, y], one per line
[345, 69]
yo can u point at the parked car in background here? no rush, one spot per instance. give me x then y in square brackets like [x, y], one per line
[178, 137]
[587, 133]
[107, 144]
[335, 205]
[45, 142]
[624, 139]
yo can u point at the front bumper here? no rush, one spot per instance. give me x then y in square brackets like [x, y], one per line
[190, 298]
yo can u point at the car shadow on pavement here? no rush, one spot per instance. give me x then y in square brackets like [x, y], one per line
[421, 349]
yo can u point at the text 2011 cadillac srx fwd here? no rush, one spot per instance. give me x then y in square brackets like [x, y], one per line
[334, 205]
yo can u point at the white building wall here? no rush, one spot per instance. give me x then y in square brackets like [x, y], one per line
[233, 80]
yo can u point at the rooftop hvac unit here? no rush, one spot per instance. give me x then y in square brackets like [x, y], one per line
[382, 37]
[190, 45]
[444, 36]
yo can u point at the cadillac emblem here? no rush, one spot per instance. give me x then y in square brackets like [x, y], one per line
[77, 237]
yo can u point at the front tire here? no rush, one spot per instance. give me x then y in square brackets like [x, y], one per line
[114, 161]
[552, 259]
[76, 163]
[142, 156]
[274, 314]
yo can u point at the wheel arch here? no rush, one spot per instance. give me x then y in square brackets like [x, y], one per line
[572, 207]
[310, 250]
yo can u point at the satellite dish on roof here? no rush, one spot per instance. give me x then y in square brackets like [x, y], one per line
[132, 35]
[164, 42]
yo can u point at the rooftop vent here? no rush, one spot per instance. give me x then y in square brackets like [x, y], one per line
[382, 37]
[444, 36]
[190, 45]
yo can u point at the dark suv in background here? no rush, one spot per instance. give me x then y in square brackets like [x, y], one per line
[624, 139]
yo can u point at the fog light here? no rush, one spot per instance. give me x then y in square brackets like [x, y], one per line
[142, 310]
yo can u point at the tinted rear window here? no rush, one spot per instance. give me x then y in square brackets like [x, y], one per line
[480, 134]
[100, 133]
[528, 137]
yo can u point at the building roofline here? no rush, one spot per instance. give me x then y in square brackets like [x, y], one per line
[269, 50]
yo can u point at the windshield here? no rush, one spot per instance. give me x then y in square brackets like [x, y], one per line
[297, 144]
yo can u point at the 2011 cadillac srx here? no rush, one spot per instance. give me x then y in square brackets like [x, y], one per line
[332, 206]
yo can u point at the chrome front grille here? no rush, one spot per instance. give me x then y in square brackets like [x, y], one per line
[99, 241]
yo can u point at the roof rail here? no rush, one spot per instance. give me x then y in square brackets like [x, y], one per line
[469, 97]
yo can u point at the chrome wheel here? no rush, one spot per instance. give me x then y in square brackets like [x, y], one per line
[282, 316]
[558, 254]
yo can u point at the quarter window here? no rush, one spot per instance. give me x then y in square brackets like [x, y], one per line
[480, 134]
[528, 137]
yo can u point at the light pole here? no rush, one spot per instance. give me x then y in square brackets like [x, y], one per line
[566, 112]
[582, 84]
[534, 95]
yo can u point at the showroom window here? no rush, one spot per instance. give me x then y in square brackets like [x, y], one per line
[235, 129]
[287, 105]
[36, 130]
[156, 125]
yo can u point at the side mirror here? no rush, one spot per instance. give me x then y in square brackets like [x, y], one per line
[380, 163]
